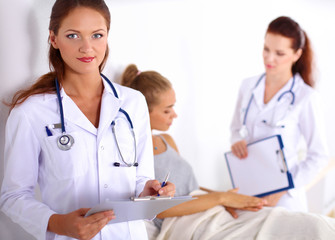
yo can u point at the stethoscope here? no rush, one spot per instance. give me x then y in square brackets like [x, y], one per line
[244, 131]
[66, 141]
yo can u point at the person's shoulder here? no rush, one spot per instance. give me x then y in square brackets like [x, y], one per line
[303, 89]
[131, 99]
[33, 104]
[305, 94]
[250, 82]
[126, 92]
[170, 141]
[33, 101]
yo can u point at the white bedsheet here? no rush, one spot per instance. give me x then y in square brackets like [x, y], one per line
[268, 223]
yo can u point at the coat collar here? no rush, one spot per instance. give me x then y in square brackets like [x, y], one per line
[260, 89]
[110, 106]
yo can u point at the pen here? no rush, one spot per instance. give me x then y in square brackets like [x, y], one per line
[49, 133]
[165, 181]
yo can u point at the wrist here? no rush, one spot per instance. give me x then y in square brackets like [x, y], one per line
[220, 197]
[54, 224]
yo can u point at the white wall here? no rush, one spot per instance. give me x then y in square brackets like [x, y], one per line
[205, 47]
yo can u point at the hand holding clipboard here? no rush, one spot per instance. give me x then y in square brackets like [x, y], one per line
[263, 171]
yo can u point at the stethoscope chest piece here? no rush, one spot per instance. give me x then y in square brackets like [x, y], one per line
[65, 142]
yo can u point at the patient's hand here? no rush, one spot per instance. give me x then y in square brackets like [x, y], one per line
[232, 201]
[273, 199]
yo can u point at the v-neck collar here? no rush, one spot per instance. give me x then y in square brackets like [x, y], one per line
[259, 92]
[110, 106]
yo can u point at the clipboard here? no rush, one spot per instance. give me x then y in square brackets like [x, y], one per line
[138, 208]
[264, 171]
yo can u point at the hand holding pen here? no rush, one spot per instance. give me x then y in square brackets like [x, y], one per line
[153, 188]
[165, 181]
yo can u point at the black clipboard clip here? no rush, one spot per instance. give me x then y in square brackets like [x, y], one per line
[284, 169]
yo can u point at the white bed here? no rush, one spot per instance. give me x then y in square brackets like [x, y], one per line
[268, 223]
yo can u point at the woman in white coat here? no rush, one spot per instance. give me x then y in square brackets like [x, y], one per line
[283, 101]
[60, 135]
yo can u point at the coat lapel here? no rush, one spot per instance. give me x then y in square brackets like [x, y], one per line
[110, 106]
[73, 114]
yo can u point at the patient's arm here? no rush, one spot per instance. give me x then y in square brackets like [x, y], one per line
[206, 189]
[212, 199]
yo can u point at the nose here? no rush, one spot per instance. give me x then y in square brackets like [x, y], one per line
[268, 56]
[85, 46]
[174, 114]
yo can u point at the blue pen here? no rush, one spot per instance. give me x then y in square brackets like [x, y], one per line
[165, 181]
[49, 133]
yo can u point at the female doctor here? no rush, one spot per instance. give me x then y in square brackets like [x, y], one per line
[83, 139]
[283, 101]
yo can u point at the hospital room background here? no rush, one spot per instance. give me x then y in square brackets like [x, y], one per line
[204, 47]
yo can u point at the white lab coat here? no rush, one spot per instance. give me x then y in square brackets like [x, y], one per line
[303, 121]
[81, 177]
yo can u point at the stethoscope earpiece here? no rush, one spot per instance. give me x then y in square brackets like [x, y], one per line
[117, 164]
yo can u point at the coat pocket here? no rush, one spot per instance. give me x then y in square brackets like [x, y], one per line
[66, 164]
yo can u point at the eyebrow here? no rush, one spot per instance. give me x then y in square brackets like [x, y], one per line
[76, 31]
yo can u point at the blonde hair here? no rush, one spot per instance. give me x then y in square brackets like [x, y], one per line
[150, 83]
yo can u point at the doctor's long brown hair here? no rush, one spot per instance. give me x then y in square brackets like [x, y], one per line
[46, 83]
[287, 27]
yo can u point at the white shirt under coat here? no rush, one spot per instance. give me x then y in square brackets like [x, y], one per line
[81, 177]
[305, 121]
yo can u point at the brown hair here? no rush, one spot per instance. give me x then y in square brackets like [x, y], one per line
[60, 10]
[287, 27]
[150, 83]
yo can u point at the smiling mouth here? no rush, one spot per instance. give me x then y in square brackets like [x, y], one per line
[86, 59]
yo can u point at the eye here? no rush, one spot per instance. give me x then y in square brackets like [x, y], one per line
[72, 36]
[280, 53]
[97, 35]
[266, 49]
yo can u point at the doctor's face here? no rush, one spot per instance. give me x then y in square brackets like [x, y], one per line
[278, 54]
[162, 114]
[81, 40]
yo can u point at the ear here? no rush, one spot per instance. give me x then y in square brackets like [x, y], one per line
[297, 55]
[53, 39]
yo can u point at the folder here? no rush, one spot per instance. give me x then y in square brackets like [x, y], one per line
[138, 208]
[264, 171]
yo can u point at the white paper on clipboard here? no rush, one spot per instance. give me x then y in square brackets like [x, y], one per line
[264, 171]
